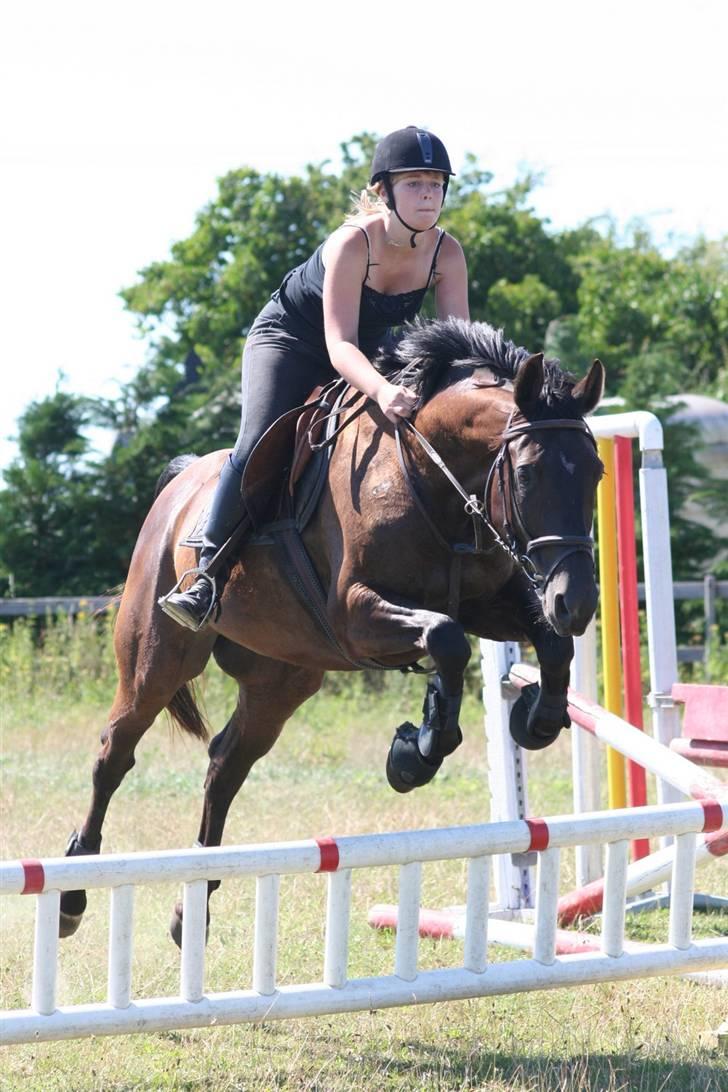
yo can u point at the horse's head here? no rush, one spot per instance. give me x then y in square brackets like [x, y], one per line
[548, 471]
[540, 493]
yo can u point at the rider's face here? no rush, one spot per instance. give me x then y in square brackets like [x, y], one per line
[419, 196]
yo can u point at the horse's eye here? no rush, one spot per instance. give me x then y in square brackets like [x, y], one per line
[525, 477]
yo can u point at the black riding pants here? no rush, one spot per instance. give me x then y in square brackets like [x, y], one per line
[279, 372]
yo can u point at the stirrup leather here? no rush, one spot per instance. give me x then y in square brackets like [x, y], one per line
[169, 609]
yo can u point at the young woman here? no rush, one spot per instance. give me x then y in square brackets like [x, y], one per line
[332, 313]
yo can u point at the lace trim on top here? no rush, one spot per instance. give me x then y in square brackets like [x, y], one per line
[399, 295]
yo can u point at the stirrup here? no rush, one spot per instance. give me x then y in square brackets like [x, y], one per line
[169, 608]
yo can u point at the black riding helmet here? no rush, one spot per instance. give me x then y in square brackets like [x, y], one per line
[409, 149]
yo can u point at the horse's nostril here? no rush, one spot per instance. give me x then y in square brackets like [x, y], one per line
[561, 611]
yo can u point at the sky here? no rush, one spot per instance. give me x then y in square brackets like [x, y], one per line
[119, 117]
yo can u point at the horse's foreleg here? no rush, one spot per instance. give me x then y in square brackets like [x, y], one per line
[378, 628]
[515, 614]
[269, 693]
[541, 711]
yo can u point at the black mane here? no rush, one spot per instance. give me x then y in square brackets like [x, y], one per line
[426, 352]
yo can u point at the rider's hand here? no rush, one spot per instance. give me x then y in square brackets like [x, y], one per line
[396, 402]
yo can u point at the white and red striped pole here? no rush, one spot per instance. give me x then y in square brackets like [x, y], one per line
[682, 775]
[675, 770]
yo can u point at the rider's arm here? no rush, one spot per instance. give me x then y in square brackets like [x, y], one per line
[346, 263]
[451, 287]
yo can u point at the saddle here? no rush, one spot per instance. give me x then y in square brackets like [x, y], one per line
[287, 469]
[282, 483]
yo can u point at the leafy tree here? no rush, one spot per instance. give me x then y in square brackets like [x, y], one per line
[659, 323]
[524, 309]
[44, 499]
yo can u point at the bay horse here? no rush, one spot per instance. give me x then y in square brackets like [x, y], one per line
[411, 560]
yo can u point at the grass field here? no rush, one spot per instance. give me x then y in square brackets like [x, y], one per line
[325, 776]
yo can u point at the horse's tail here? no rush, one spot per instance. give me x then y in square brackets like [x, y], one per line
[184, 712]
[183, 706]
[171, 470]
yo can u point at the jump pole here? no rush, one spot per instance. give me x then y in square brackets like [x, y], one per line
[197, 1004]
[629, 620]
[684, 776]
[661, 641]
[609, 615]
[655, 520]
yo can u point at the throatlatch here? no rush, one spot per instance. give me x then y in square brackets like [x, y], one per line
[416, 754]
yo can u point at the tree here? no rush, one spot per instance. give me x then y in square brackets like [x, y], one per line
[659, 323]
[44, 499]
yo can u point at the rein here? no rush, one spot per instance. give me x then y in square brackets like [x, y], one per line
[479, 512]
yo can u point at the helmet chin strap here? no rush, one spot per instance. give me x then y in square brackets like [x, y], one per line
[393, 206]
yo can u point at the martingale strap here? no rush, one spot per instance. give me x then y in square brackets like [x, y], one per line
[473, 508]
[480, 514]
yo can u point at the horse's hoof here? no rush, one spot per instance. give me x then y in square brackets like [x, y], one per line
[520, 725]
[406, 768]
[175, 926]
[68, 924]
[73, 907]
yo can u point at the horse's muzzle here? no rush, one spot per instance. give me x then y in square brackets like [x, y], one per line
[571, 599]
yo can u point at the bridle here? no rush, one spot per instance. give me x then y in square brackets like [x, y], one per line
[502, 473]
[481, 513]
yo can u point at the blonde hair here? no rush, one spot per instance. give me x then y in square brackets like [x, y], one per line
[368, 202]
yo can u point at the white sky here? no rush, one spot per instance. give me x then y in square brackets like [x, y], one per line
[117, 119]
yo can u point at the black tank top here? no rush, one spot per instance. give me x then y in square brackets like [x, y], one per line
[300, 299]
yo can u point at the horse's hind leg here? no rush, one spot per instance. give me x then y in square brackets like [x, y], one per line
[269, 693]
[153, 667]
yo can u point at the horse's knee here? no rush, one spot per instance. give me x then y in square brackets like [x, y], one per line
[448, 645]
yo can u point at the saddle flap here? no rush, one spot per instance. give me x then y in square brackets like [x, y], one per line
[283, 447]
[266, 466]
[309, 427]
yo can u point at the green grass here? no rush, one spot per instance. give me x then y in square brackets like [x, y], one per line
[325, 776]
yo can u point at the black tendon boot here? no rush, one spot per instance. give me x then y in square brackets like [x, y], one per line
[193, 607]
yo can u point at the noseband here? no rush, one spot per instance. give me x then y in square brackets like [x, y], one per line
[502, 471]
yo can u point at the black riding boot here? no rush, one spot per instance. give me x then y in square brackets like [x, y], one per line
[193, 607]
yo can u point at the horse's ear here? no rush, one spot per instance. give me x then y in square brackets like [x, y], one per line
[528, 383]
[588, 391]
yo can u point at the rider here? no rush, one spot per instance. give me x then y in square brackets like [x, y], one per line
[331, 314]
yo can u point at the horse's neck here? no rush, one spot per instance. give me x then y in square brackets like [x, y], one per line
[468, 423]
